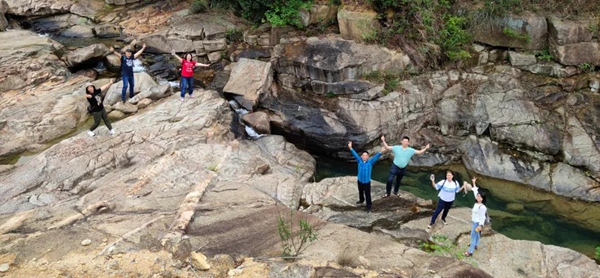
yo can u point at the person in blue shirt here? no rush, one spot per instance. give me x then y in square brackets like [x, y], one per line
[402, 155]
[127, 70]
[365, 167]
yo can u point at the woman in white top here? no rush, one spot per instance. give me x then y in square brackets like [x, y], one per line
[478, 215]
[448, 189]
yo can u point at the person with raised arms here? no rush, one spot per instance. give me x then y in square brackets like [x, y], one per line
[365, 167]
[187, 73]
[402, 155]
[448, 189]
[127, 70]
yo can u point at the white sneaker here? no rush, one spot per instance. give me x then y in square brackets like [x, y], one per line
[182, 99]
[112, 132]
[91, 133]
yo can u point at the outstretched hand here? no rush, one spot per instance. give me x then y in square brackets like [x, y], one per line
[432, 177]
[144, 45]
[173, 52]
[349, 144]
[427, 146]
[383, 138]
[111, 49]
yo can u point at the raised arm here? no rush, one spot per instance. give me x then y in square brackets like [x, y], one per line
[104, 88]
[176, 56]
[385, 145]
[475, 188]
[353, 151]
[422, 150]
[137, 54]
[201, 65]
[432, 178]
[114, 52]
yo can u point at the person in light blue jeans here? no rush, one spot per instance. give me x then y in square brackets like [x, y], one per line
[478, 216]
[448, 189]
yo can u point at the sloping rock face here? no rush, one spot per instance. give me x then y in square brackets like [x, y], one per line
[498, 256]
[571, 42]
[28, 59]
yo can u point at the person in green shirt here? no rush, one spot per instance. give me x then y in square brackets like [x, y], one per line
[402, 155]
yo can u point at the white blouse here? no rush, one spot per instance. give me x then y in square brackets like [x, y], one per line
[478, 211]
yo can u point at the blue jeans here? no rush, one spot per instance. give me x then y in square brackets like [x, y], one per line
[442, 205]
[187, 83]
[474, 238]
[127, 80]
[397, 172]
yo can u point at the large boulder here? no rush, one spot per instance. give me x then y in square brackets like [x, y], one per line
[37, 7]
[143, 83]
[161, 44]
[318, 13]
[514, 31]
[78, 31]
[564, 32]
[3, 22]
[86, 56]
[333, 66]
[153, 93]
[358, 25]
[579, 148]
[576, 53]
[259, 121]
[249, 82]
[28, 60]
[197, 27]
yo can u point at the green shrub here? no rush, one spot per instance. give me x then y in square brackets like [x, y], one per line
[543, 55]
[198, 6]
[283, 12]
[295, 239]
[234, 35]
[454, 38]
[442, 246]
[586, 67]
[598, 253]
[516, 35]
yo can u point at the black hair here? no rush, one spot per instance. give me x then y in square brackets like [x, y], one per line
[86, 88]
[191, 56]
[482, 194]
[129, 50]
[450, 171]
[364, 152]
[405, 137]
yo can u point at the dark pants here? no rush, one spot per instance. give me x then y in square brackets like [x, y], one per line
[127, 82]
[364, 192]
[397, 172]
[100, 115]
[187, 83]
[442, 205]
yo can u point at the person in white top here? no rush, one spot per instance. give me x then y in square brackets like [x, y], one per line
[478, 216]
[448, 189]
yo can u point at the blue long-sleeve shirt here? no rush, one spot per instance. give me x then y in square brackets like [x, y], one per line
[364, 168]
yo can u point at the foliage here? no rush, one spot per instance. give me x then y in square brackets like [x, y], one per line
[286, 12]
[543, 55]
[597, 253]
[198, 6]
[455, 37]
[502, 7]
[516, 35]
[442, 246]
[234, 35]
[586, 67]
[295, 238]
[330, 94]
[390, 79]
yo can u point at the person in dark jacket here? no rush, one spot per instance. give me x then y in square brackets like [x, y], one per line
[95, 97]
[127, 70]
[365, 167]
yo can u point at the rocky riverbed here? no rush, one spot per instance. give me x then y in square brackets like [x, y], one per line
[177, 191]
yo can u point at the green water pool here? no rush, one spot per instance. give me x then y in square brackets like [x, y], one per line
[524, 224]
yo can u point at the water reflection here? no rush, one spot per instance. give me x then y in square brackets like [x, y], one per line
[514, 220]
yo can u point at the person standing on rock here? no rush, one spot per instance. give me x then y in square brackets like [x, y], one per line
[478, 217]
[402, 155]
[448, 189]
[127, 70]
[187, 73]
[95, 97]
[365, 167]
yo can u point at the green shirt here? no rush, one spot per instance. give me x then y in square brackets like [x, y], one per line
[402, 156]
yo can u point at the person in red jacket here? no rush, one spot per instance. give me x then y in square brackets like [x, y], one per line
[187, 73]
